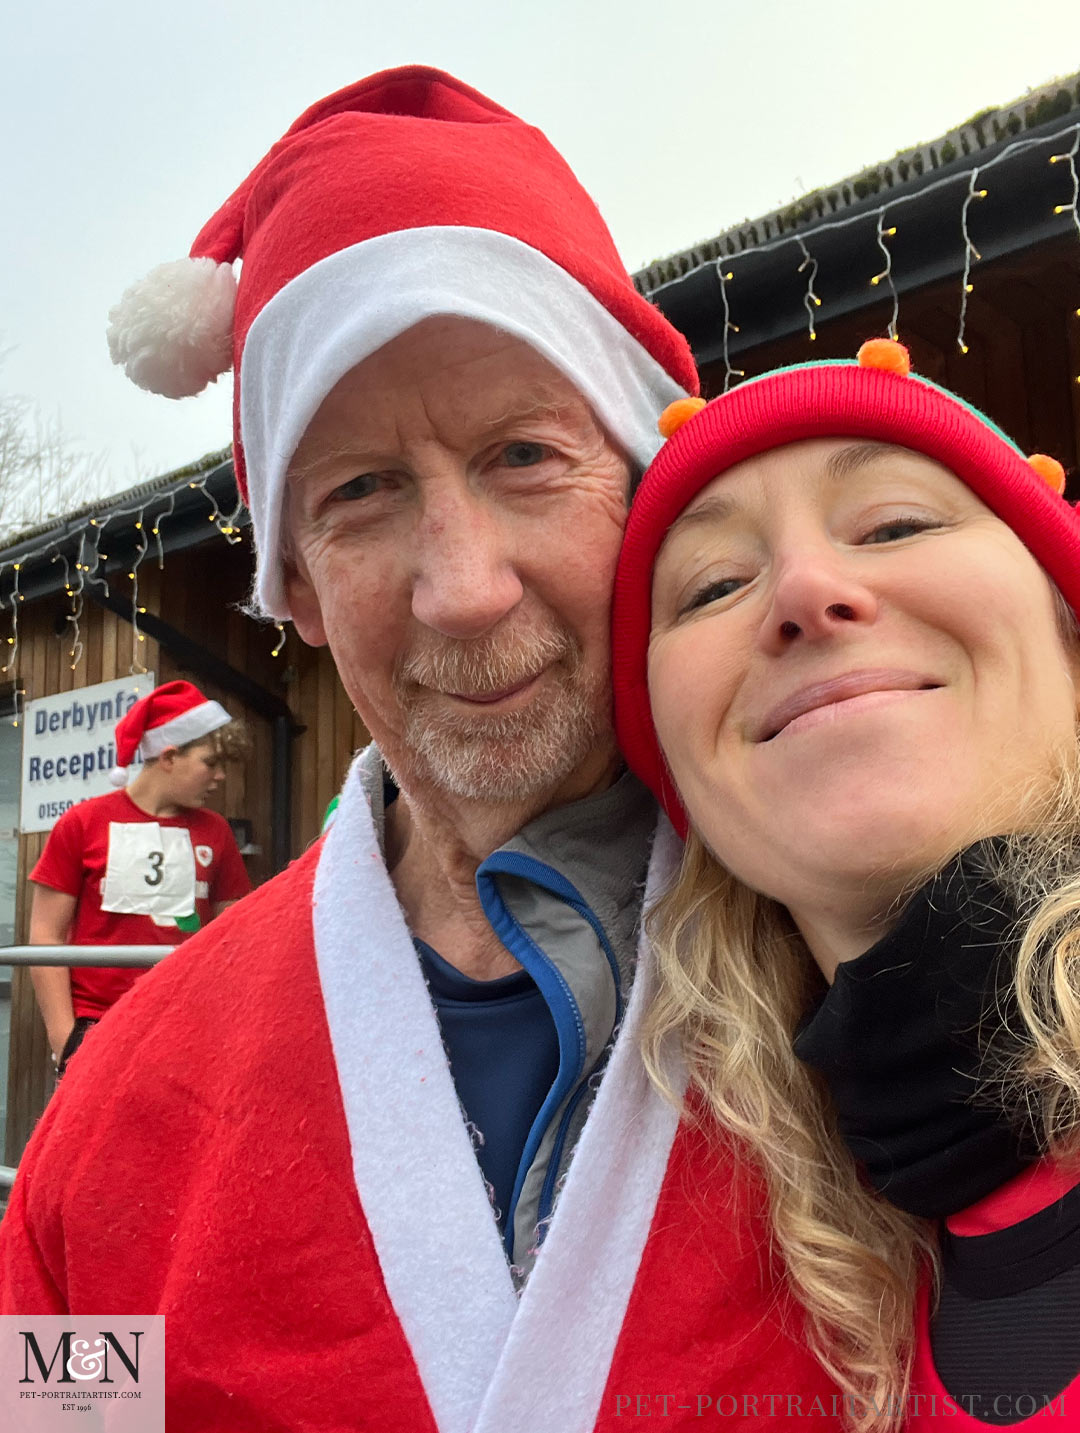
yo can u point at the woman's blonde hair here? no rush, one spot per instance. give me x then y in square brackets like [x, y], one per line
[735, 979]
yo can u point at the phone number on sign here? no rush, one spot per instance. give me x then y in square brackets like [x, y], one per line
[53, 808]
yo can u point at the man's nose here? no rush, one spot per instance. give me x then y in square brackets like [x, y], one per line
[466, 579]
[817, 594]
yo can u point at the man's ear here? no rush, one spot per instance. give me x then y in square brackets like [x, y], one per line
[304, 606]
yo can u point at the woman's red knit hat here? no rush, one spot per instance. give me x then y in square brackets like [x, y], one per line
[877, 398]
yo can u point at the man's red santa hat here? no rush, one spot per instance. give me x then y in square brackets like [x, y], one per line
[169, 716]
[403, 196]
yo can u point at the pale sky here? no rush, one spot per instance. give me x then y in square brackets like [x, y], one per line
[126, 123]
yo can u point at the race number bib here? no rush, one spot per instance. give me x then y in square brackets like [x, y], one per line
[150, 871]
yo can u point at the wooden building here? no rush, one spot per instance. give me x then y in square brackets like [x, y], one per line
[72, 616]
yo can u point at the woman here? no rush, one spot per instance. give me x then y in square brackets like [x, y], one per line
[847, 660]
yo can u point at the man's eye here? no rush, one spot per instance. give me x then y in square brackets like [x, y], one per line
[524, 455]
[897, 529]
[362, 486]
[713, 592]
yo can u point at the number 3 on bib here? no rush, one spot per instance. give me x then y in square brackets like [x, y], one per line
[150, 870]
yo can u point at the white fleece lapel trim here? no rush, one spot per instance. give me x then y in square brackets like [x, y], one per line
[488, 1363]
[555, 1366]
[416, 1173]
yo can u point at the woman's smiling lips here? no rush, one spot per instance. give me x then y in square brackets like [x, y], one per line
[881, 682]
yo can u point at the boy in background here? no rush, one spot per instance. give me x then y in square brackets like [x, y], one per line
[145, 865]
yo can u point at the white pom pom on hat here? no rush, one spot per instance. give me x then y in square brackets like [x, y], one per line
[118, 775]
[172, 332]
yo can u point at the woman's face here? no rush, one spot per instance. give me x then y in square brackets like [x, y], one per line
[855, 669]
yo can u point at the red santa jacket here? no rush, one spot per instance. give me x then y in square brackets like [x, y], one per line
[262, 1142]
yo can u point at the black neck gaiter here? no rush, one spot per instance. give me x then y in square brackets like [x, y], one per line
[907, 1036]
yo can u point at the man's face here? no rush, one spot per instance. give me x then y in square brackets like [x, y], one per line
[455, 513]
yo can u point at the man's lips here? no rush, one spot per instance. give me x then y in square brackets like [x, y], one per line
[838, 689]
[490, 698]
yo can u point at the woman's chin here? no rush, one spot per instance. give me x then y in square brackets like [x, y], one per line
[877, 841]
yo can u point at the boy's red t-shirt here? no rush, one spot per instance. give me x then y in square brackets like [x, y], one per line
[75, 859]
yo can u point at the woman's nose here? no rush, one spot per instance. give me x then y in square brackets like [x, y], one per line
[816, 596]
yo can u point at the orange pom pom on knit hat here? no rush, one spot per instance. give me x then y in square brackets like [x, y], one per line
[678, 413]
[888, 354]
[876, 398]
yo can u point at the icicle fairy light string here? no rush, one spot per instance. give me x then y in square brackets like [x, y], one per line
[156, 530]
[13, 640]
[74, 616]
[887, 273]
[811, 302]
[1069, 158]
[90, 562]
[1072, 207]
[225, 525]
[729, 328]
[137, 638]
[970, 252]
[725, 266]
[229, 528]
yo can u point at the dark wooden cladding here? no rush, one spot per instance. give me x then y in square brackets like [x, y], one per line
[199, 592]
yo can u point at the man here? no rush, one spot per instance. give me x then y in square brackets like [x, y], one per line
[446, 382]
[147, 865]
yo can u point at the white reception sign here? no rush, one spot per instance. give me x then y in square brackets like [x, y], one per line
[68, 747]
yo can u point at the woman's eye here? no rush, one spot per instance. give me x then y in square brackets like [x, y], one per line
[712, 592]
[897, 529]
[524, 455]
[362, 486]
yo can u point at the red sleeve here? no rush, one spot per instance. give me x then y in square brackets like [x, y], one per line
[231, 879]
[60, 865]
[27, 1285]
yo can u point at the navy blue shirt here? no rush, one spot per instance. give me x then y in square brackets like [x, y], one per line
[504, 1056]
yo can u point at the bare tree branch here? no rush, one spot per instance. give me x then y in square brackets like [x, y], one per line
[41, 476]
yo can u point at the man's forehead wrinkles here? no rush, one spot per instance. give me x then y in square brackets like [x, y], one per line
[534, 401]
[303, 467]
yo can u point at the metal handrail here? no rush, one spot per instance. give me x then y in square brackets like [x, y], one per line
[84, 954]
[90, 955]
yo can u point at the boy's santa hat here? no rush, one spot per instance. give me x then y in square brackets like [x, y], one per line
[169, 716]
[405, 196]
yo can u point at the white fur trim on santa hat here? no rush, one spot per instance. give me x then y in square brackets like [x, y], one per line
[347, 306]
[196, 722]
[172, 331]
